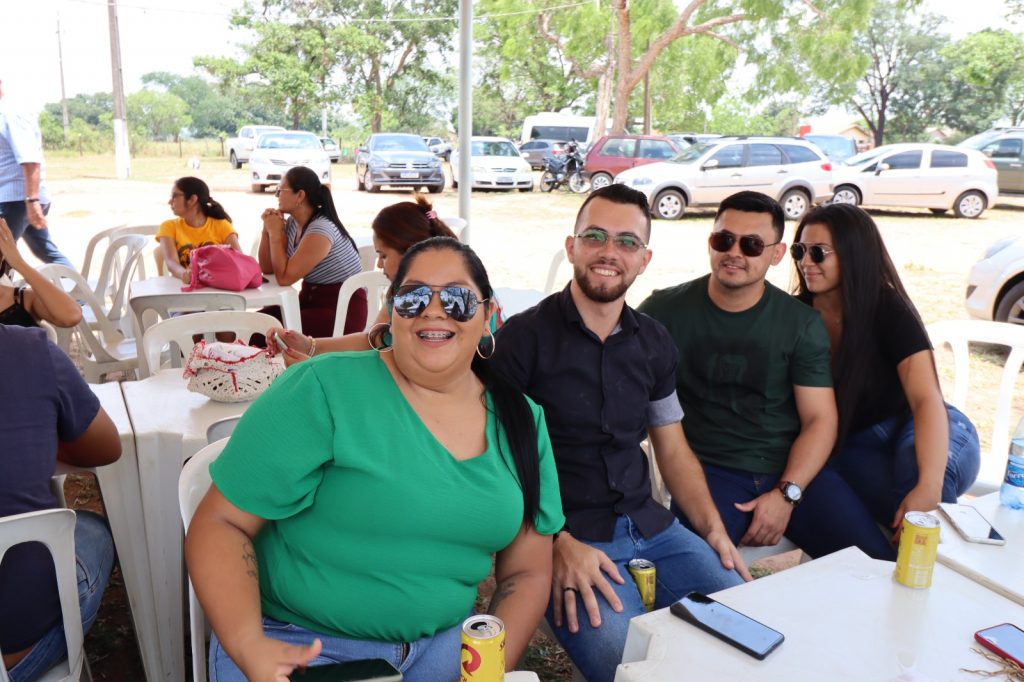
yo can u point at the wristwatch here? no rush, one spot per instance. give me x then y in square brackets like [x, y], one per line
[31, 200]
[793, 493]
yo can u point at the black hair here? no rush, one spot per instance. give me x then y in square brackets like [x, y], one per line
[194, 187]
[867, 272]
[755, 202]
[619, 194]
[318, 196]
[510, 406]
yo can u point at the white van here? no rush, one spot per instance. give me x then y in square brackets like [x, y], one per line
[564, 127]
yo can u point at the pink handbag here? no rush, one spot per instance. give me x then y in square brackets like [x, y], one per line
[221, 267]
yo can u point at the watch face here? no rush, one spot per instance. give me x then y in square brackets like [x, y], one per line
[793, 492]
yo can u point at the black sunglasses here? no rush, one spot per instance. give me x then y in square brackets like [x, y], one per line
[818, 252]
[751, 245]
[459, 303]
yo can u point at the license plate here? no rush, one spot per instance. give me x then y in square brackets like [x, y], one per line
[409, 174]
[505, 180]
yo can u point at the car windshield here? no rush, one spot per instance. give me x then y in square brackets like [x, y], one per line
[398, 143]
[981, 139]
[494, 148]
[327, 140]
[692, 153]
[836, 147]
[864, 157]
[284, 141]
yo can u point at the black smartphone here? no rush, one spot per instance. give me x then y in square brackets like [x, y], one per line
[375, 669]
[1007, 640]
[728, 625]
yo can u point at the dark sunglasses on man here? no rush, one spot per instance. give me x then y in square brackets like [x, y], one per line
[751, 245]
[459, 303]
[819, 252]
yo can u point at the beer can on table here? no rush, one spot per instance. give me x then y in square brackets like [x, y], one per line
[919, 545]
[643, 573]
[483, 649]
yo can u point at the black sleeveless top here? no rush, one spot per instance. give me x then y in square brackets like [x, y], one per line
[16, 315]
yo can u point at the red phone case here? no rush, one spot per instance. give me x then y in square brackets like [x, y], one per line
[979, 636]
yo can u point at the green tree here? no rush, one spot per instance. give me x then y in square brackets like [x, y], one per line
[988, 72]
[157, 115]
[213, 114]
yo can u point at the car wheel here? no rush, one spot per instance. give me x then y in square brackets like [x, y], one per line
[448, 157]
[360, 187]
[669, 205]
[435, 189]
[599, 180]
[368, 183]
[235, 163]
[795, 203]
[547, 181]
[970, 204]
[846, 194]
[1011, 305]
[258, 189]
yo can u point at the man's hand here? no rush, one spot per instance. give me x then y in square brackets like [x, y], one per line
[268, 660]
[771, 516]
[35, 215]
[727, 552]
[581, 567]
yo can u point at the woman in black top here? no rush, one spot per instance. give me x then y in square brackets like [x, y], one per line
[26, 306]
[899, 445]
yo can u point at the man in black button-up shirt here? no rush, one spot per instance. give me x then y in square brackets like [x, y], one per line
[605, 376]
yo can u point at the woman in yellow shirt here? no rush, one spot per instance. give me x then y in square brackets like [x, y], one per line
[200, 221]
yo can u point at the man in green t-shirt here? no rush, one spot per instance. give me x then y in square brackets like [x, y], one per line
[755, 383]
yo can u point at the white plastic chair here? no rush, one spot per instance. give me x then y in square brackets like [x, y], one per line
[192, 486]
[222, 428]
[457, 225]
[375, 284]
[180, 330]
[957, 334]
[92, 247]
[368, 257]
[553, 283]
[54, 528]
[151, 309]
[124, 259]
[101, 350]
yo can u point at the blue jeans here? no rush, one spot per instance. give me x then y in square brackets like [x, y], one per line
[431, 659]
[831, 516]
[684, 563]
[39, 242]
[94, 558]
[880, 463]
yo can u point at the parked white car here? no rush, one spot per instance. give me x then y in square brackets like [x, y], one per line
[934, 176]
[793, 171]
[497, 164]
[995, 287]
[277, 153]
[241, 146]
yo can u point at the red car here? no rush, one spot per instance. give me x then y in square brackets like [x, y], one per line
[613, 154]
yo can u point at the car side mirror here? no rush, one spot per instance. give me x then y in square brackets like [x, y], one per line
[712, 163]
[361, 150]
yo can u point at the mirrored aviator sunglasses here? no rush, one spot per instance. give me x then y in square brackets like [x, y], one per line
[751, 245]
[818, 252]
[459, 303]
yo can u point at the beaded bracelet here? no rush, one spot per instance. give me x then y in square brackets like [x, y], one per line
[312, 346]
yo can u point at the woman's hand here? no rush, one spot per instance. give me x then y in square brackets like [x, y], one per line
[920, 498]
[186, 276]
[299, 345]
[268, 660]
[9, 248]
[273, 221]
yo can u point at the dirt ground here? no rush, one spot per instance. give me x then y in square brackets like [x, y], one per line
[516, 235]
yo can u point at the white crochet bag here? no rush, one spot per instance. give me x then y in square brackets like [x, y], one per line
[230, 372]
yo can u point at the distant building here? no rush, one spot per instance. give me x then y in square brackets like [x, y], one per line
[838, 122]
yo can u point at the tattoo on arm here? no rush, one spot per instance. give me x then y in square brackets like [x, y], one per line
[249, 557]
[505, 589]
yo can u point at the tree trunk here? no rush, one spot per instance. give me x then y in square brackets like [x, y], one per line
[604, 100]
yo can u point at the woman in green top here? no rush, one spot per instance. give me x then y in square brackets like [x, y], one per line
[358, 503]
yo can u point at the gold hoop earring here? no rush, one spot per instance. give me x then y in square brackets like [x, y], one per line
[493, 344]
[385, 337]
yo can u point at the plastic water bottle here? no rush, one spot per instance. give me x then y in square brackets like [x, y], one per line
[1011, 494]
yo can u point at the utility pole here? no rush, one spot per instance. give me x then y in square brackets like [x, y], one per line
[63, 94]
[122, 160]
[465, 178]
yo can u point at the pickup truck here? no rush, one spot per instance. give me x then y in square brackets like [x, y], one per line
[240, 147]
[439, 147]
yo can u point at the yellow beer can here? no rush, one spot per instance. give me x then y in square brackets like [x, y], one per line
[643, 573]
[919, 545]
[483, 649]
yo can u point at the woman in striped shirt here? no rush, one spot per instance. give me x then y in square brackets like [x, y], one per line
[311, 244]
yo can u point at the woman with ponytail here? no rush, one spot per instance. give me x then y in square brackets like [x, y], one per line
[199, 221]
[311, 244]
[395, 230]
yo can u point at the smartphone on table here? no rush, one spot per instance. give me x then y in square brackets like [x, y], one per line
[369, 670]
[728, 625]
[1006, 640]
[971, 525]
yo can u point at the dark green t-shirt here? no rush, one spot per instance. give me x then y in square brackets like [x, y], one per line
[737, 371]
[374, 530]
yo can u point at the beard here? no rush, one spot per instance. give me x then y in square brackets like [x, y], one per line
[598, 293]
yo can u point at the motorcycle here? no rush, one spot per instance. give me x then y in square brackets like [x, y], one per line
[566, 171]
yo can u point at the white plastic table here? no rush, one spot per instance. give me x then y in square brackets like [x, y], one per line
[844, 618]
[170, 425]
[1000, 568]
[270, 293]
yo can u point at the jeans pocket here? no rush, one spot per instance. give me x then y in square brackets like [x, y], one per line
[278, 625]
